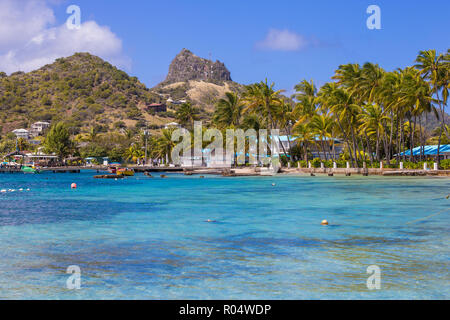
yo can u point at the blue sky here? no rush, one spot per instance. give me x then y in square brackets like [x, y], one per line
[328, 33]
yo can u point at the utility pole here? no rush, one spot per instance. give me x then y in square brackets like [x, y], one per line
[146, 141]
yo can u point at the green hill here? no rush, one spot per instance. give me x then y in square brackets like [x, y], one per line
[82, 90]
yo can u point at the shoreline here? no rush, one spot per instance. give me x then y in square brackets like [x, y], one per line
[252, 171]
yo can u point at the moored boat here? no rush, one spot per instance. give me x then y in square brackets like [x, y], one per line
[125, 172]
[29, 170]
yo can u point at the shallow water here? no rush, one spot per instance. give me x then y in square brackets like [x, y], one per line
[142, 238]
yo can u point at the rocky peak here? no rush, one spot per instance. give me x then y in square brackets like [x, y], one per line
[187, 66]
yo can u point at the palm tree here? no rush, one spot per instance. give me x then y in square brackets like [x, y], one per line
[187, 114]
[348, 76]
[134, 153]
[345, 111]
[164, 145]
[434, 67]
[261, 98]
[372, 118]
[228, 111]
[322, 126]
[369, 82]
[304, 137]
[415, 96]
[306, 95]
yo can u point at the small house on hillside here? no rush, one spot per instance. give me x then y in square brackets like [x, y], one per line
[38, 128]
[22, 133]
[172, 125]
[157, 107]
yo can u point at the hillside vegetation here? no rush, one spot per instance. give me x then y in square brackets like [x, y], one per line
[82, 90]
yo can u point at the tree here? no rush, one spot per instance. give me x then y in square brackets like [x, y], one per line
[372, 118]
[262, 99]
[134, 153]
[164, 145]
[58, 140]
[322, 126]
[304, 137]
[228, 111]
[187, 114]
[435, 68]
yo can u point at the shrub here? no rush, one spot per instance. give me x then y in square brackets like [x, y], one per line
[316, 163]
[445, 164]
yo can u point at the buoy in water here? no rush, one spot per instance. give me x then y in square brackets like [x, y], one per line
[273, 184]
[324, 222]
[73, 186]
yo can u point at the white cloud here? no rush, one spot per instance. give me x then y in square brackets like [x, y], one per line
[283, 40]
[28, 40]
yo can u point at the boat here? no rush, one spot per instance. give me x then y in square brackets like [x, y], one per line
[113, 167]
[29, 170]
[125, 172]
[112, 170]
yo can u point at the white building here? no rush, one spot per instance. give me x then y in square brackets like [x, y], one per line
[38, 128]
[22, 133]
[172, 125]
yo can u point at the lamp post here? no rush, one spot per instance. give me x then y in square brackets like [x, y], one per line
[146, 133]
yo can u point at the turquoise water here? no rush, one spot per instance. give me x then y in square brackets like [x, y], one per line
[142, 238]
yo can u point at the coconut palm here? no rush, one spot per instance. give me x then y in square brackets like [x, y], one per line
[262, 99]
[434, 68]
[306, 95]
[164, 145]
[304, 137]
[187, 114]
[134, 153]
[322, 126]
[372, 118]
[228, 111]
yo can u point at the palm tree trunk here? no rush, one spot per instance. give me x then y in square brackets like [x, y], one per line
[378, 145]
[369, 147]
[389, 155]
[344, 133]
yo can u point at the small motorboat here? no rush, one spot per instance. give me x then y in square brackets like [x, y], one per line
[112, 170]
[29, 170]
[125, 172]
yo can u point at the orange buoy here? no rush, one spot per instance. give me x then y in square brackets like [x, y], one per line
[324, 222]
[73, 186]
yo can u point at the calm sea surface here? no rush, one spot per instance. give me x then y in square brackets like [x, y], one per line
[142, 238]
